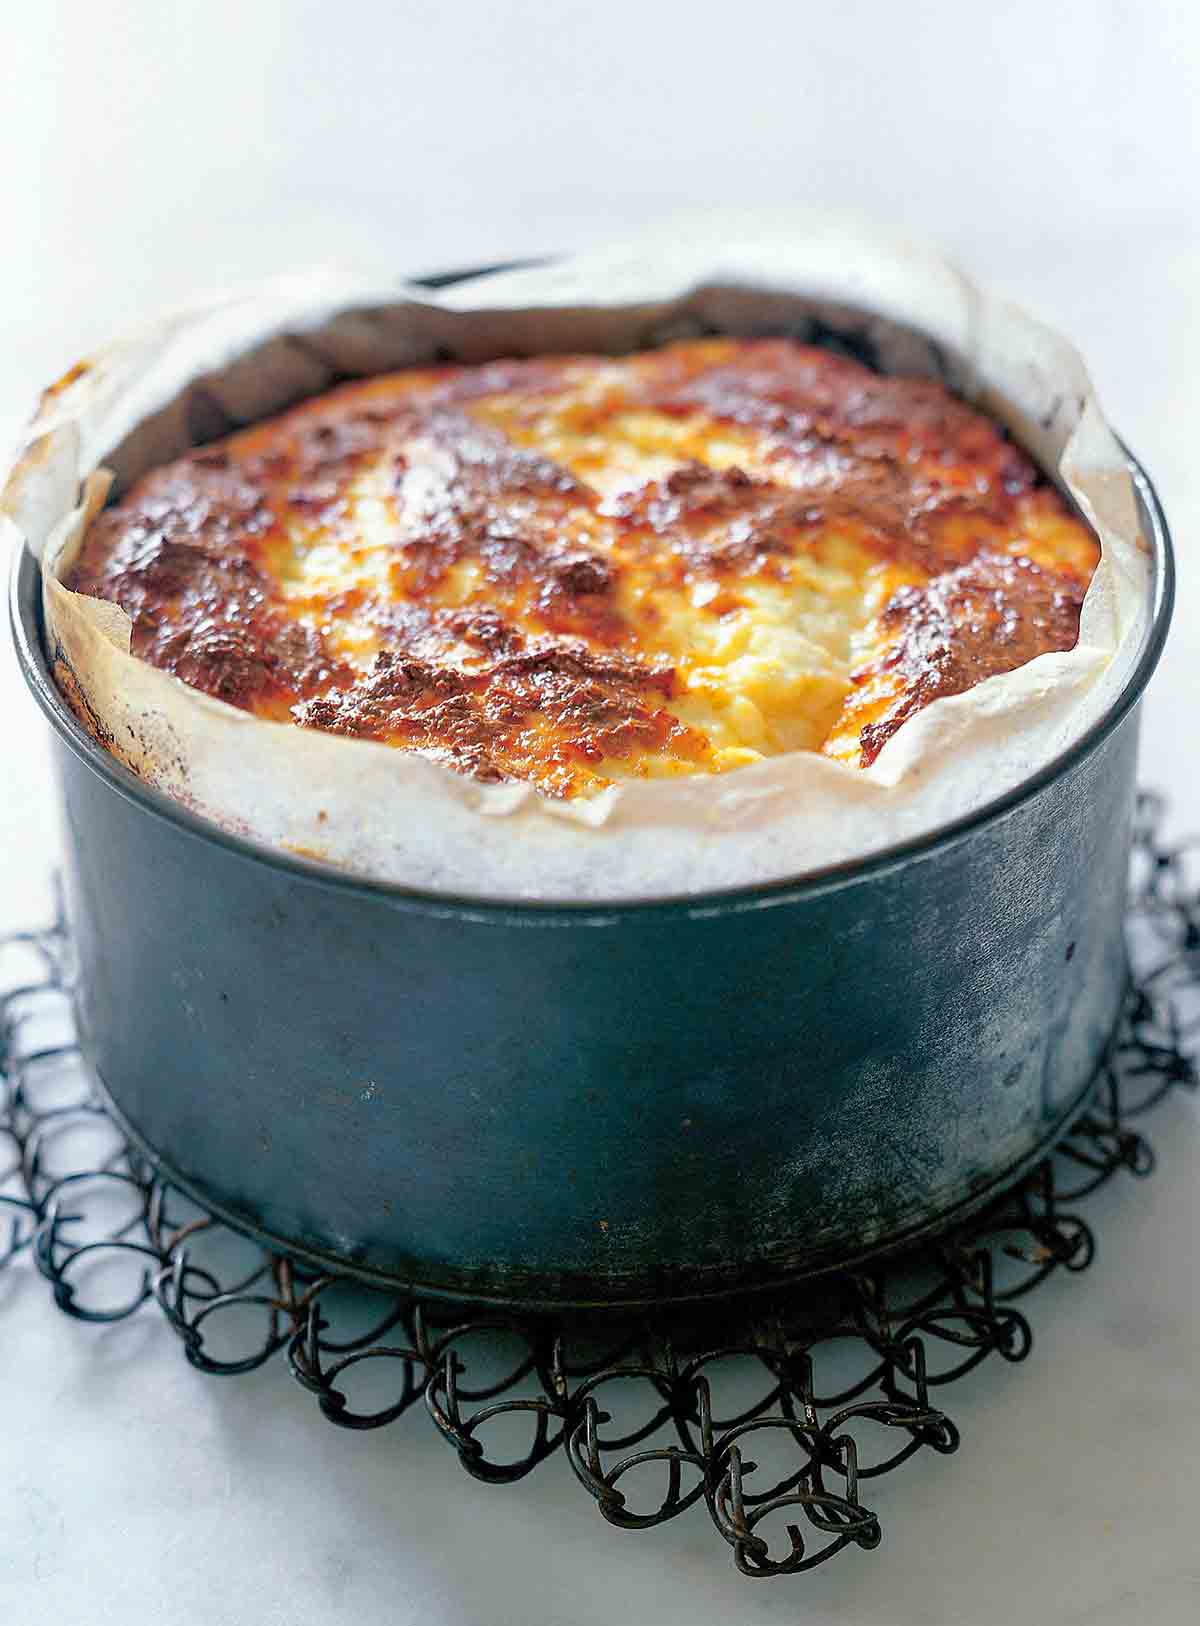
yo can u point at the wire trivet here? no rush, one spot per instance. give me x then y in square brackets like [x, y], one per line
[848, 1367]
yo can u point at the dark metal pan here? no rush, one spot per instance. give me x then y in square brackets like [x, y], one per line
[555, 1104]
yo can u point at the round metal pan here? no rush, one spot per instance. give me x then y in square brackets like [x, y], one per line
[600, 1105]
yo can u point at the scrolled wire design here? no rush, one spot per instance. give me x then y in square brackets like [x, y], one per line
[76, 1201]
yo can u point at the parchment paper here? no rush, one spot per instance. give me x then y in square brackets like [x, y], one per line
[197, 374]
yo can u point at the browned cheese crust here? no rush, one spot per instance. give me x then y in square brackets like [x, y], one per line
[577, 569]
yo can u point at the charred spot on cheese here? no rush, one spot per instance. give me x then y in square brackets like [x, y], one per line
[548, 712]
[571, 570]
[988, 616]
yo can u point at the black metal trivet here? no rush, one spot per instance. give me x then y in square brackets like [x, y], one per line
[843, 1363]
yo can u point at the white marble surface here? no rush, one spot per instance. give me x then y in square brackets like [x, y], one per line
[153, 151]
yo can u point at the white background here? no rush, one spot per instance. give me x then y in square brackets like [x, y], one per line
[151, 151]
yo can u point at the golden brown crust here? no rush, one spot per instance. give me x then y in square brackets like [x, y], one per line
[989, 615]
[570, 569]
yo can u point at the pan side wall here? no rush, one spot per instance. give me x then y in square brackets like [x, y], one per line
[644, 1102]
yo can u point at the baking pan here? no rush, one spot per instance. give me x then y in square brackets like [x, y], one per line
[600, 1105]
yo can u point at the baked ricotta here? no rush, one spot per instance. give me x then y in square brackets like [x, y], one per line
[575, 570]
